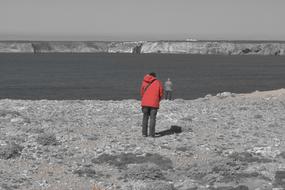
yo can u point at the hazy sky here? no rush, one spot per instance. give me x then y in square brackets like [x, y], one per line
[141, 19]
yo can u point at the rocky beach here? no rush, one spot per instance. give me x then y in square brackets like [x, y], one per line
[228, 142]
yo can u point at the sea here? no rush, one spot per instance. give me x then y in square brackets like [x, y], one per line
[103, 76]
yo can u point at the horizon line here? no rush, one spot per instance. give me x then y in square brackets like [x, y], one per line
[161, 40]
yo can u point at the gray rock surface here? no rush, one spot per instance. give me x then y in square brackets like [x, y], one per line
[228, 141]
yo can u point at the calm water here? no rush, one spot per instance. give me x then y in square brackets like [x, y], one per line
[118, 76]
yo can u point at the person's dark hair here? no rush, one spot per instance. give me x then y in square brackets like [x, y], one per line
[152, 74]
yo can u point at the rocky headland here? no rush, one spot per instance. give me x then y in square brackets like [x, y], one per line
[228, 142]
[171, 47]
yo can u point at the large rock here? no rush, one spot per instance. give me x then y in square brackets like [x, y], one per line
[11, 150]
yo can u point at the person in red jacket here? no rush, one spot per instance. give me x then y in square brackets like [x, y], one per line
[151, 94]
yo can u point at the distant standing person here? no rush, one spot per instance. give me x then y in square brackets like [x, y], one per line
[151, 94]
[168, 86]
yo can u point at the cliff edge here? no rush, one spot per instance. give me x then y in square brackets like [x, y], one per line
[170, 47]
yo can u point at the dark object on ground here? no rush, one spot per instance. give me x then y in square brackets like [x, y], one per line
[124, 159]
[47, 139]
[176, 129]
[144, 171]
[10, 150]
[86, 171]
[173, 129]
[240, 187]
[280, 179]
[247, 157]
[157, 185]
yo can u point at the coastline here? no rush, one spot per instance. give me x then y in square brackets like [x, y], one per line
[141, 47]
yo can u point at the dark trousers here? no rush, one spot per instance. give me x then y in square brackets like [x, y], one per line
[168, 95]
[149, 112]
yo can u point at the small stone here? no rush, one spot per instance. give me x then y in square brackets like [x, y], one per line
[225, 95]
[17, 120]
[208, 96]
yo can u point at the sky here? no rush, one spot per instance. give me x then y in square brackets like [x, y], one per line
[142, 19]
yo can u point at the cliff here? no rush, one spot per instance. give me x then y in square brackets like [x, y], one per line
[215, 48]
[69, 47]
[84, 47]
[16, 47]
[172, 47]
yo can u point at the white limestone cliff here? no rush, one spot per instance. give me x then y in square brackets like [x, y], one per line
[171, 47]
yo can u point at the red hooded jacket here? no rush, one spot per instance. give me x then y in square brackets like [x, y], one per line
[153, 94]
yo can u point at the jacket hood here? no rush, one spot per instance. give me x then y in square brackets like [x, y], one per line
[149, 78]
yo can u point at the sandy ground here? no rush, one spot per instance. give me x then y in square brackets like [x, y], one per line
[228, 141]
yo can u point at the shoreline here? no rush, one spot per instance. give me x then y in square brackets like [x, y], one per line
[276, 92]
